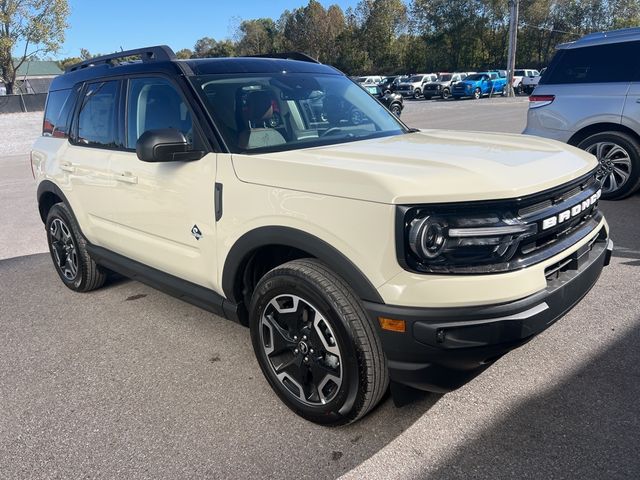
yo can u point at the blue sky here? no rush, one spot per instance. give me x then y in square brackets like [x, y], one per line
[104, 27]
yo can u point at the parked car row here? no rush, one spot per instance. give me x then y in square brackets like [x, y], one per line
[441, 85]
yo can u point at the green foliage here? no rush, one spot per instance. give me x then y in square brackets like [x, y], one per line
[398, 36]
[401, 36]
[36, 26]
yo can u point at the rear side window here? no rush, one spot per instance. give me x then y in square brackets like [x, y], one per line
[57, 114]
[616, 62]
[98, 119]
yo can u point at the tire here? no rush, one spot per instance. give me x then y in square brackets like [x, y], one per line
[75, 267]
[350, 365]
[619, 157]
[518, 89]
[417, 93]
[477, 94]
[446, 93]
[396, 110]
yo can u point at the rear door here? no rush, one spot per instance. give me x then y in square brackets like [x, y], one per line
[631, 112]
[590, 85]
[85, 159]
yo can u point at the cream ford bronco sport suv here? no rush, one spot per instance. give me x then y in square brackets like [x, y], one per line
[278, 193]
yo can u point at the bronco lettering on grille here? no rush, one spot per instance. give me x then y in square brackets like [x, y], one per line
[571, 212]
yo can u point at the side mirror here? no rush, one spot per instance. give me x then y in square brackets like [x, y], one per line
[165, 145]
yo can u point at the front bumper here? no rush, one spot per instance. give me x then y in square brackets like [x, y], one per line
[444, 348]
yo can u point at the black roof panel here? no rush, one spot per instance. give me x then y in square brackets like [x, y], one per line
[206, 66]
[201, 66]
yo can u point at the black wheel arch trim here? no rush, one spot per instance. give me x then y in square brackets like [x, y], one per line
[47, 186]
[251, 241]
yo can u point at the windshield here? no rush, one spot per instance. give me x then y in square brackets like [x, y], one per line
[285, 111]
[444, 77]
[476, 77]
[415, 79]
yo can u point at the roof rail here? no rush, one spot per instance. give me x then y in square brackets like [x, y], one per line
[302, 57]
[157, 53]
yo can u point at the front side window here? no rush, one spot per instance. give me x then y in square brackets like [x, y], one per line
[154, 103]
[98, 117]
[284, 111]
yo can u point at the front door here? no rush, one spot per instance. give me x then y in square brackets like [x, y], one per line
[163, 213]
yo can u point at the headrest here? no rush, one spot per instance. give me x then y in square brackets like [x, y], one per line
[259, 106]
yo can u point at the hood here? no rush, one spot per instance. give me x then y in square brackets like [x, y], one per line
[432, 166]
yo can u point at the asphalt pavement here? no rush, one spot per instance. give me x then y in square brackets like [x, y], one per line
[127, 382]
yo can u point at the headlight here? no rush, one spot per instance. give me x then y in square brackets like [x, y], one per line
[426, 237]
[449, 242]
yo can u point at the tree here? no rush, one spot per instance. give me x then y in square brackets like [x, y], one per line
[207, 47]
[203, 46]
[257, 36]
[314, 30]
[382, 23]
[184, 53]
[33, 26]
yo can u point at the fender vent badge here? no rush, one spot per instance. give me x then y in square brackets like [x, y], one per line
[195, 231]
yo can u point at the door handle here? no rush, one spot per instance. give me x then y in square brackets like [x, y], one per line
[127, 177]
[67, 167]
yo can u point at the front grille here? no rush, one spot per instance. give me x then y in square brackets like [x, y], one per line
[555, 220]
[578, 195]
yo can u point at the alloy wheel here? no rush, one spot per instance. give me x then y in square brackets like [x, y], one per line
[64, 249]
[615, 165]
[301, 349]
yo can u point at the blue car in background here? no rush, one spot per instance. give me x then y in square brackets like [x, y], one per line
[480, 84]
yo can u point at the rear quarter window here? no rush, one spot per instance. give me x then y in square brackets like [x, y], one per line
[611, 63]
[57, 114]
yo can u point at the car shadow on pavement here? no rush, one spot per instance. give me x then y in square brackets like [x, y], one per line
[624, 220]
[127, 379]
[588, 426]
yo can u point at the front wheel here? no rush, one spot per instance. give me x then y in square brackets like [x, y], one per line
[446, 94]
[619, 158]
[315, 344]
[417, 93]
[396, 110]
[477, 94]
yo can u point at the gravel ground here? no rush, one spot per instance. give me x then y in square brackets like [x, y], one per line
[19, 130]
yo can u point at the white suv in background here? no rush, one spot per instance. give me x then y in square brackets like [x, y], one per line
[590, 97]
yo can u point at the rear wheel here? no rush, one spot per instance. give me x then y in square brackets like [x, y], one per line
[417, 93]
[396, 110]
[67, 246]
[619, 157]
[315, 343]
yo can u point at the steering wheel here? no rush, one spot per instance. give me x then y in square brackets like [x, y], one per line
[331, 131]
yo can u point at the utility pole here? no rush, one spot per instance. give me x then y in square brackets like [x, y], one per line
[514, 6]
